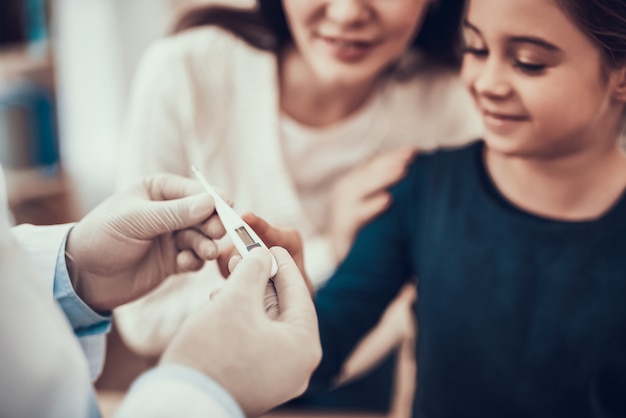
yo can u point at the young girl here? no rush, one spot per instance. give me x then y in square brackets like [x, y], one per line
[276, 106]
[518, 242]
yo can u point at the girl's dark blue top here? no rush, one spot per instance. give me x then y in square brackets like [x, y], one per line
[518, 315]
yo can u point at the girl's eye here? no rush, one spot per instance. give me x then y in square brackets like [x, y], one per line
[529, 68]
[477, 52]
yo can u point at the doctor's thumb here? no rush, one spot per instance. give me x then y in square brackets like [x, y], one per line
[172, 215]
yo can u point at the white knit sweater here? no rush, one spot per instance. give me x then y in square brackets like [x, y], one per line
[205, 97]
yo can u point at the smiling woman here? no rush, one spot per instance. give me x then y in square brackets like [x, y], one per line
[305, 112]
[346, 43]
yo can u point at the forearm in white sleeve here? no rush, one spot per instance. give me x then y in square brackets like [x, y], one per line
[45, 245]
[177, 391]
[42, 243]
[42, 370]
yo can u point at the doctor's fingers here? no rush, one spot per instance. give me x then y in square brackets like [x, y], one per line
[270, 298]
[187, 261]
[296, 303]
[223, 259]
[203, 247]
[160, 187]
[212, 227]
[249, 279]
[233, 261]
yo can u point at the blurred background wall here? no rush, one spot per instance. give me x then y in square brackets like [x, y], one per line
[97, 46]
[78, 56]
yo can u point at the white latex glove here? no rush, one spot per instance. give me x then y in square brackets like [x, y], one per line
[362, 194]
[261, 362]
[135, 239]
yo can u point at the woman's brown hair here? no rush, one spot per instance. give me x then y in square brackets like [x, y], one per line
[265, 27]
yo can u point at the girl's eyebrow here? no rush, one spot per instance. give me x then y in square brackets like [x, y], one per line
[519, 39]
[468, 25]
[535, 41]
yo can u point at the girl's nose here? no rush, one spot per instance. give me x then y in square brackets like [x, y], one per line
[491, 80]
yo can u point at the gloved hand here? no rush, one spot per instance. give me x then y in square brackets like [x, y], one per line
[132, 241]
[261, 362]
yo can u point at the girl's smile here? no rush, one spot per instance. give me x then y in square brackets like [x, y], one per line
[502, 122]
[525, 62]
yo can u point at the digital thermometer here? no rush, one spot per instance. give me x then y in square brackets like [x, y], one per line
[244, 238]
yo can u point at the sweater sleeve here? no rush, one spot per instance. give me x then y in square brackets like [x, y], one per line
[154, 128]
[352, 301]
[176, 104]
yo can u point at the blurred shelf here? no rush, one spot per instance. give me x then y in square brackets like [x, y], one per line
[34, 183]
[39, 197]
[34, 63]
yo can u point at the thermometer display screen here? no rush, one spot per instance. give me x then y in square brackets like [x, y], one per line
[245, 237]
